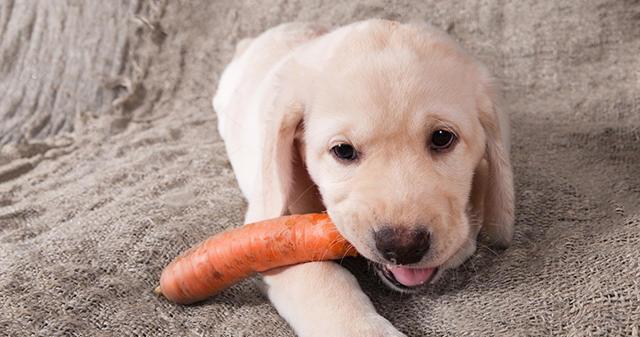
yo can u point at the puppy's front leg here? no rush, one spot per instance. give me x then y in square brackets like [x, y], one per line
[324, 299]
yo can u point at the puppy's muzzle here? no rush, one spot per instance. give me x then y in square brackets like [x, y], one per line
[402, 246]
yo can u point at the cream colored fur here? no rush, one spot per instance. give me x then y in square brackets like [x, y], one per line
[296, 90]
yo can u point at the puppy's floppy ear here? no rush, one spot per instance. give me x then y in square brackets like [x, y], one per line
[498, 204]
[270, 192]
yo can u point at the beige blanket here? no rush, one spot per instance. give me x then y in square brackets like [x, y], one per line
[111, 165]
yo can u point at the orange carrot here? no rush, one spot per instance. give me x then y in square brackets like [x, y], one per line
[233, 255]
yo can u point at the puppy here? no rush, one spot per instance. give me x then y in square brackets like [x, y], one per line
[392, 129]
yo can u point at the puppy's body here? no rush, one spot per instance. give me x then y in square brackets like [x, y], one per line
[296, 93]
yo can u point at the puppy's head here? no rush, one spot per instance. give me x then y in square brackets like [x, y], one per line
[397, 120]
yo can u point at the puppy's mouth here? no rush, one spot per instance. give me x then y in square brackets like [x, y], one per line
[405, 279]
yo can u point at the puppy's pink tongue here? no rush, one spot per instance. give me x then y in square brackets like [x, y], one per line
[411, 277]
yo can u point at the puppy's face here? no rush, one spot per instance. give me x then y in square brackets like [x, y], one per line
[392, 141]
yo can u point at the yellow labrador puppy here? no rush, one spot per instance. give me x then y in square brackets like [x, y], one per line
[391, 128]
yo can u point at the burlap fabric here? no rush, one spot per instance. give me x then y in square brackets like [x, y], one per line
[112, 165]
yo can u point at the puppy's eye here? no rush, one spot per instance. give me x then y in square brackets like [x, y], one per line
[344, 152]
[442, 140]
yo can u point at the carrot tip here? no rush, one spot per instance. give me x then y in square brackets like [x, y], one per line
[158, 291]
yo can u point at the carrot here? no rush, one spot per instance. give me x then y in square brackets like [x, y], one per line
[233, 255]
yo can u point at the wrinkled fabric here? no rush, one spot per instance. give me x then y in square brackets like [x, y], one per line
[111, 165]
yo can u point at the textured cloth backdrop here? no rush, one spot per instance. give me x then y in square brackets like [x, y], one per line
[112, 165]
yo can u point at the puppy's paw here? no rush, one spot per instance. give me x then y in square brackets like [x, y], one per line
[373, 326]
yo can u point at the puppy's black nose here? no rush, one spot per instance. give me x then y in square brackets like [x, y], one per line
[402, 245]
